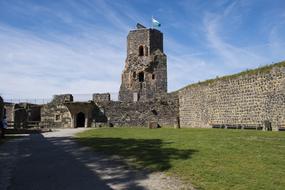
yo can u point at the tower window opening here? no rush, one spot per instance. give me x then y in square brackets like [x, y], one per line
[153, 76]
[134, 74]
[57, 117]
[141, 52]
[146, 51]
[141, 77]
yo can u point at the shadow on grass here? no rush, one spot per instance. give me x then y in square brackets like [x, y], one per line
[143, 153]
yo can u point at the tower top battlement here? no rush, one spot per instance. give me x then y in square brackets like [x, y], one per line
[152, 39]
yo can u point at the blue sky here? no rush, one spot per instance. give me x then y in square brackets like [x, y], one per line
[79, 46]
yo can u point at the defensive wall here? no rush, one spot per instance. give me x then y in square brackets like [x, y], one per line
[162, 110]
[63, 112]
[254, 98]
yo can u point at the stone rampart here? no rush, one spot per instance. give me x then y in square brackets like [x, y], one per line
[163, 110]
[251, 98]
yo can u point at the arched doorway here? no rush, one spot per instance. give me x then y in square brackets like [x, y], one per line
[141, 51]
[141, 77]
[80, 120]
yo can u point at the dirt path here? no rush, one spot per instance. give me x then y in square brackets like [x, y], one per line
[54, 161]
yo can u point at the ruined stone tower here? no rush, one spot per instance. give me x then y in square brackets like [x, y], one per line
[145, 73]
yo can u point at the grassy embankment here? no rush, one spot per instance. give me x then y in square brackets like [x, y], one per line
[208, 158]
[261, 70]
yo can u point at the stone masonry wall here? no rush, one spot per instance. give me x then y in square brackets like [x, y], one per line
[22, 113]
[246, 99]
[163, 110]
[145, 74]
[101, 97]
[62, 98]
[55, 114]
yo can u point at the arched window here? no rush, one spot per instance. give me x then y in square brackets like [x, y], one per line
[153, 76]
[141, 51]
[141, 77]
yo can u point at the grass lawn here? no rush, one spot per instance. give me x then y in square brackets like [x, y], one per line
[208, 158]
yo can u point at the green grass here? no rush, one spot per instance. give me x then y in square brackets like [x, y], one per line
[260, 70]
[208, 158]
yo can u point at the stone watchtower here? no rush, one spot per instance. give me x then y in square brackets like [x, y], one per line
[145, 73]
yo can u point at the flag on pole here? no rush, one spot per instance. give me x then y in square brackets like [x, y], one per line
[155, 23]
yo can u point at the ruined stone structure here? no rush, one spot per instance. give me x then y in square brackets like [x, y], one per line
[63, 112]
[162, 110]
[145, 73]
[20, 114]
[103, 97]
[143, 94]
[252, 99]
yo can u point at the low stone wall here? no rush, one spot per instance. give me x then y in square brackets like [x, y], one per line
[163, 110]
[55, 114]
[248, 99]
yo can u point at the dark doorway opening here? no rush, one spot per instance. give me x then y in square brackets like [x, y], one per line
[141, 51]
[80, 120]
[5, 112]
[141, 77]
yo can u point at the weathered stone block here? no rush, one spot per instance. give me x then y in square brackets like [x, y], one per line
[101, 97]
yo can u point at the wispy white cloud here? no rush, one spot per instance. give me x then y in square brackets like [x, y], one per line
[80, 47]
[220, 53]
[31, 63]
[87, 61]
[231, 55]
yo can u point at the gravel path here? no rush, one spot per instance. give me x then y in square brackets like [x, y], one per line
[53, 161]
